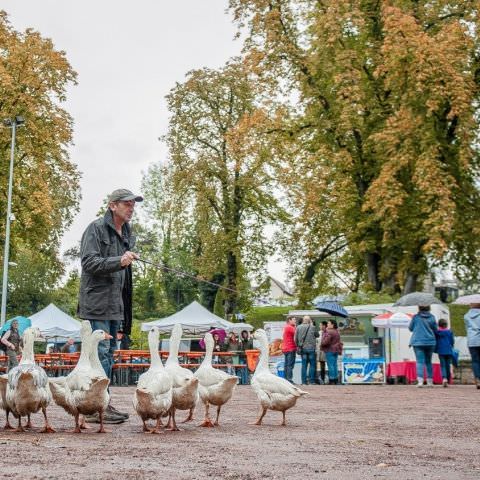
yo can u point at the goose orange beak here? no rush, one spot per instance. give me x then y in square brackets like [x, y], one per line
[107, 336]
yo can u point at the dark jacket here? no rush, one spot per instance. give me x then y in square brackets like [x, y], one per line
[331, 341]
[423, 327]
[106, 286]
[445, 341]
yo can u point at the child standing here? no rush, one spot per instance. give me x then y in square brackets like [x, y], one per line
[445, 342]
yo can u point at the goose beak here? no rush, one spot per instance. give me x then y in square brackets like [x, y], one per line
[108, 336]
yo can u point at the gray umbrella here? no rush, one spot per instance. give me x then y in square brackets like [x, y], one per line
[416, 298]
[468, 299]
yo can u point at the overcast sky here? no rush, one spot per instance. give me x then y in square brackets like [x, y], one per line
[128, 56]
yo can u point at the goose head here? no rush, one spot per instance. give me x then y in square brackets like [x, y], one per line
[177, 331]
[154, 335]
[209, 342]
[85, 329]
[261, 336]
[99, 335]
[33, 334]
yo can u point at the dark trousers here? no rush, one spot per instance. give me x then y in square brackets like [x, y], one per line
[446, 366]
[322, 370]
[289, 364]
[106, 347]
[475, 353]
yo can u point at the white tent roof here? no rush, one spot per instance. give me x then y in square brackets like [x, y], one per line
[193, 318]
[53, 322]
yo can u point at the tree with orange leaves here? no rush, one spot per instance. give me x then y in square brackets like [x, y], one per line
[385, 131]
[33, 80]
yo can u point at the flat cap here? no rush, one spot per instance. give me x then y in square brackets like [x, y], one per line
[122, 194]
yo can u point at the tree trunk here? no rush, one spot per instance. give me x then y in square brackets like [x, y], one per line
[231, 297]
[372, 261]
[411, 281]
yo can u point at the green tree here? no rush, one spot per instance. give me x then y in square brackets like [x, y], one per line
[221, 167]
[387, 121]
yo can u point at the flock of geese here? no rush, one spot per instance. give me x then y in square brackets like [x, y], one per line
[160, 392]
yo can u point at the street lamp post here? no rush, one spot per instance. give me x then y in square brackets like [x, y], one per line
[13, 124]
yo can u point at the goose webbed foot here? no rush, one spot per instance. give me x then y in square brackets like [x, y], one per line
[207, 423]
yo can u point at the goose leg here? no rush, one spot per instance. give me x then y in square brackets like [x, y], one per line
[218, 415]
[172, 425]
[29, 422]
[77, 424]
[190, 416]
[206, 422]
[260, 418]
[158, 426]
[7, 423]
[145, 428]
[102, 428]
[284, 423]
[19, 428]
[83, 423]
[47, 428]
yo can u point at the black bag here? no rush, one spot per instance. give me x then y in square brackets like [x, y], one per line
[299, 350]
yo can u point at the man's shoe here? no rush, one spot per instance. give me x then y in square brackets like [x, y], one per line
[112, 409]
[109, 418]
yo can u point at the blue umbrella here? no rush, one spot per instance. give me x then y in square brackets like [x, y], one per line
[23, 323]
[333, 308]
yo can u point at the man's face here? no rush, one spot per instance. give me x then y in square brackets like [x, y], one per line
[123, 209]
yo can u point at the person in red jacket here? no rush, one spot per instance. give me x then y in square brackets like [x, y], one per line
[289, 347]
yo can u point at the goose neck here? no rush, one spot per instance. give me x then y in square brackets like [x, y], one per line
[27, 353]
[155, 359]
[263, 360]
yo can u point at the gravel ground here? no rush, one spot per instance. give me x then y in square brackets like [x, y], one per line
[359, 432]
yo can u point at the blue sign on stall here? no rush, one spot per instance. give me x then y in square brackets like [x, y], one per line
[361, 370]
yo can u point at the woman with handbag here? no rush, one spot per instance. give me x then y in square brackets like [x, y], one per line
[332, 346]
[305, 336]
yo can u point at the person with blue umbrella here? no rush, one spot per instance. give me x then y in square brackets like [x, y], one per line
[12, 340]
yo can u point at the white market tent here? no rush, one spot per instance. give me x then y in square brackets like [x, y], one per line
[54, 323]
[194, 319]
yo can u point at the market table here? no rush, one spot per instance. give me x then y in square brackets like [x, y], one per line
[408, 369]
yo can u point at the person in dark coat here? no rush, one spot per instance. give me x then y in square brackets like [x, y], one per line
[105, 297]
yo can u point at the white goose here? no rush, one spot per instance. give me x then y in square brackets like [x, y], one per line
[58, 392]
[185, 385]
[274, 393]
[3, 400]
[84, 391]
[153, 396]
[27, 387]
[215, 387]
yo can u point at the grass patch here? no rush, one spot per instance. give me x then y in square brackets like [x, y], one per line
[456, 319]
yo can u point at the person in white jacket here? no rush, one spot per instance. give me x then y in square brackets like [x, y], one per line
[472, 326]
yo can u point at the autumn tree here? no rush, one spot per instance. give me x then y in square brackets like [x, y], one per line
[221, 168]
[34, 77]
[386, 119]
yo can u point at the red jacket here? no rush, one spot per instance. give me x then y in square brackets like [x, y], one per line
[288, 339]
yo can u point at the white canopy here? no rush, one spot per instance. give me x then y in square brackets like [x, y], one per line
[239, 327]
[193, 318]
[53, 322]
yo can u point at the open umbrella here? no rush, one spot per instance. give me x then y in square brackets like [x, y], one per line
[392, 320]
[417, 298]
[221, 336]
[23, 323]
[468, 299]
[333, 308]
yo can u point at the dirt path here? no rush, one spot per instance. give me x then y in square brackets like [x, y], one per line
[362, 432]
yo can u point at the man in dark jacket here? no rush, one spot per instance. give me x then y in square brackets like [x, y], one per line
[106, 282]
